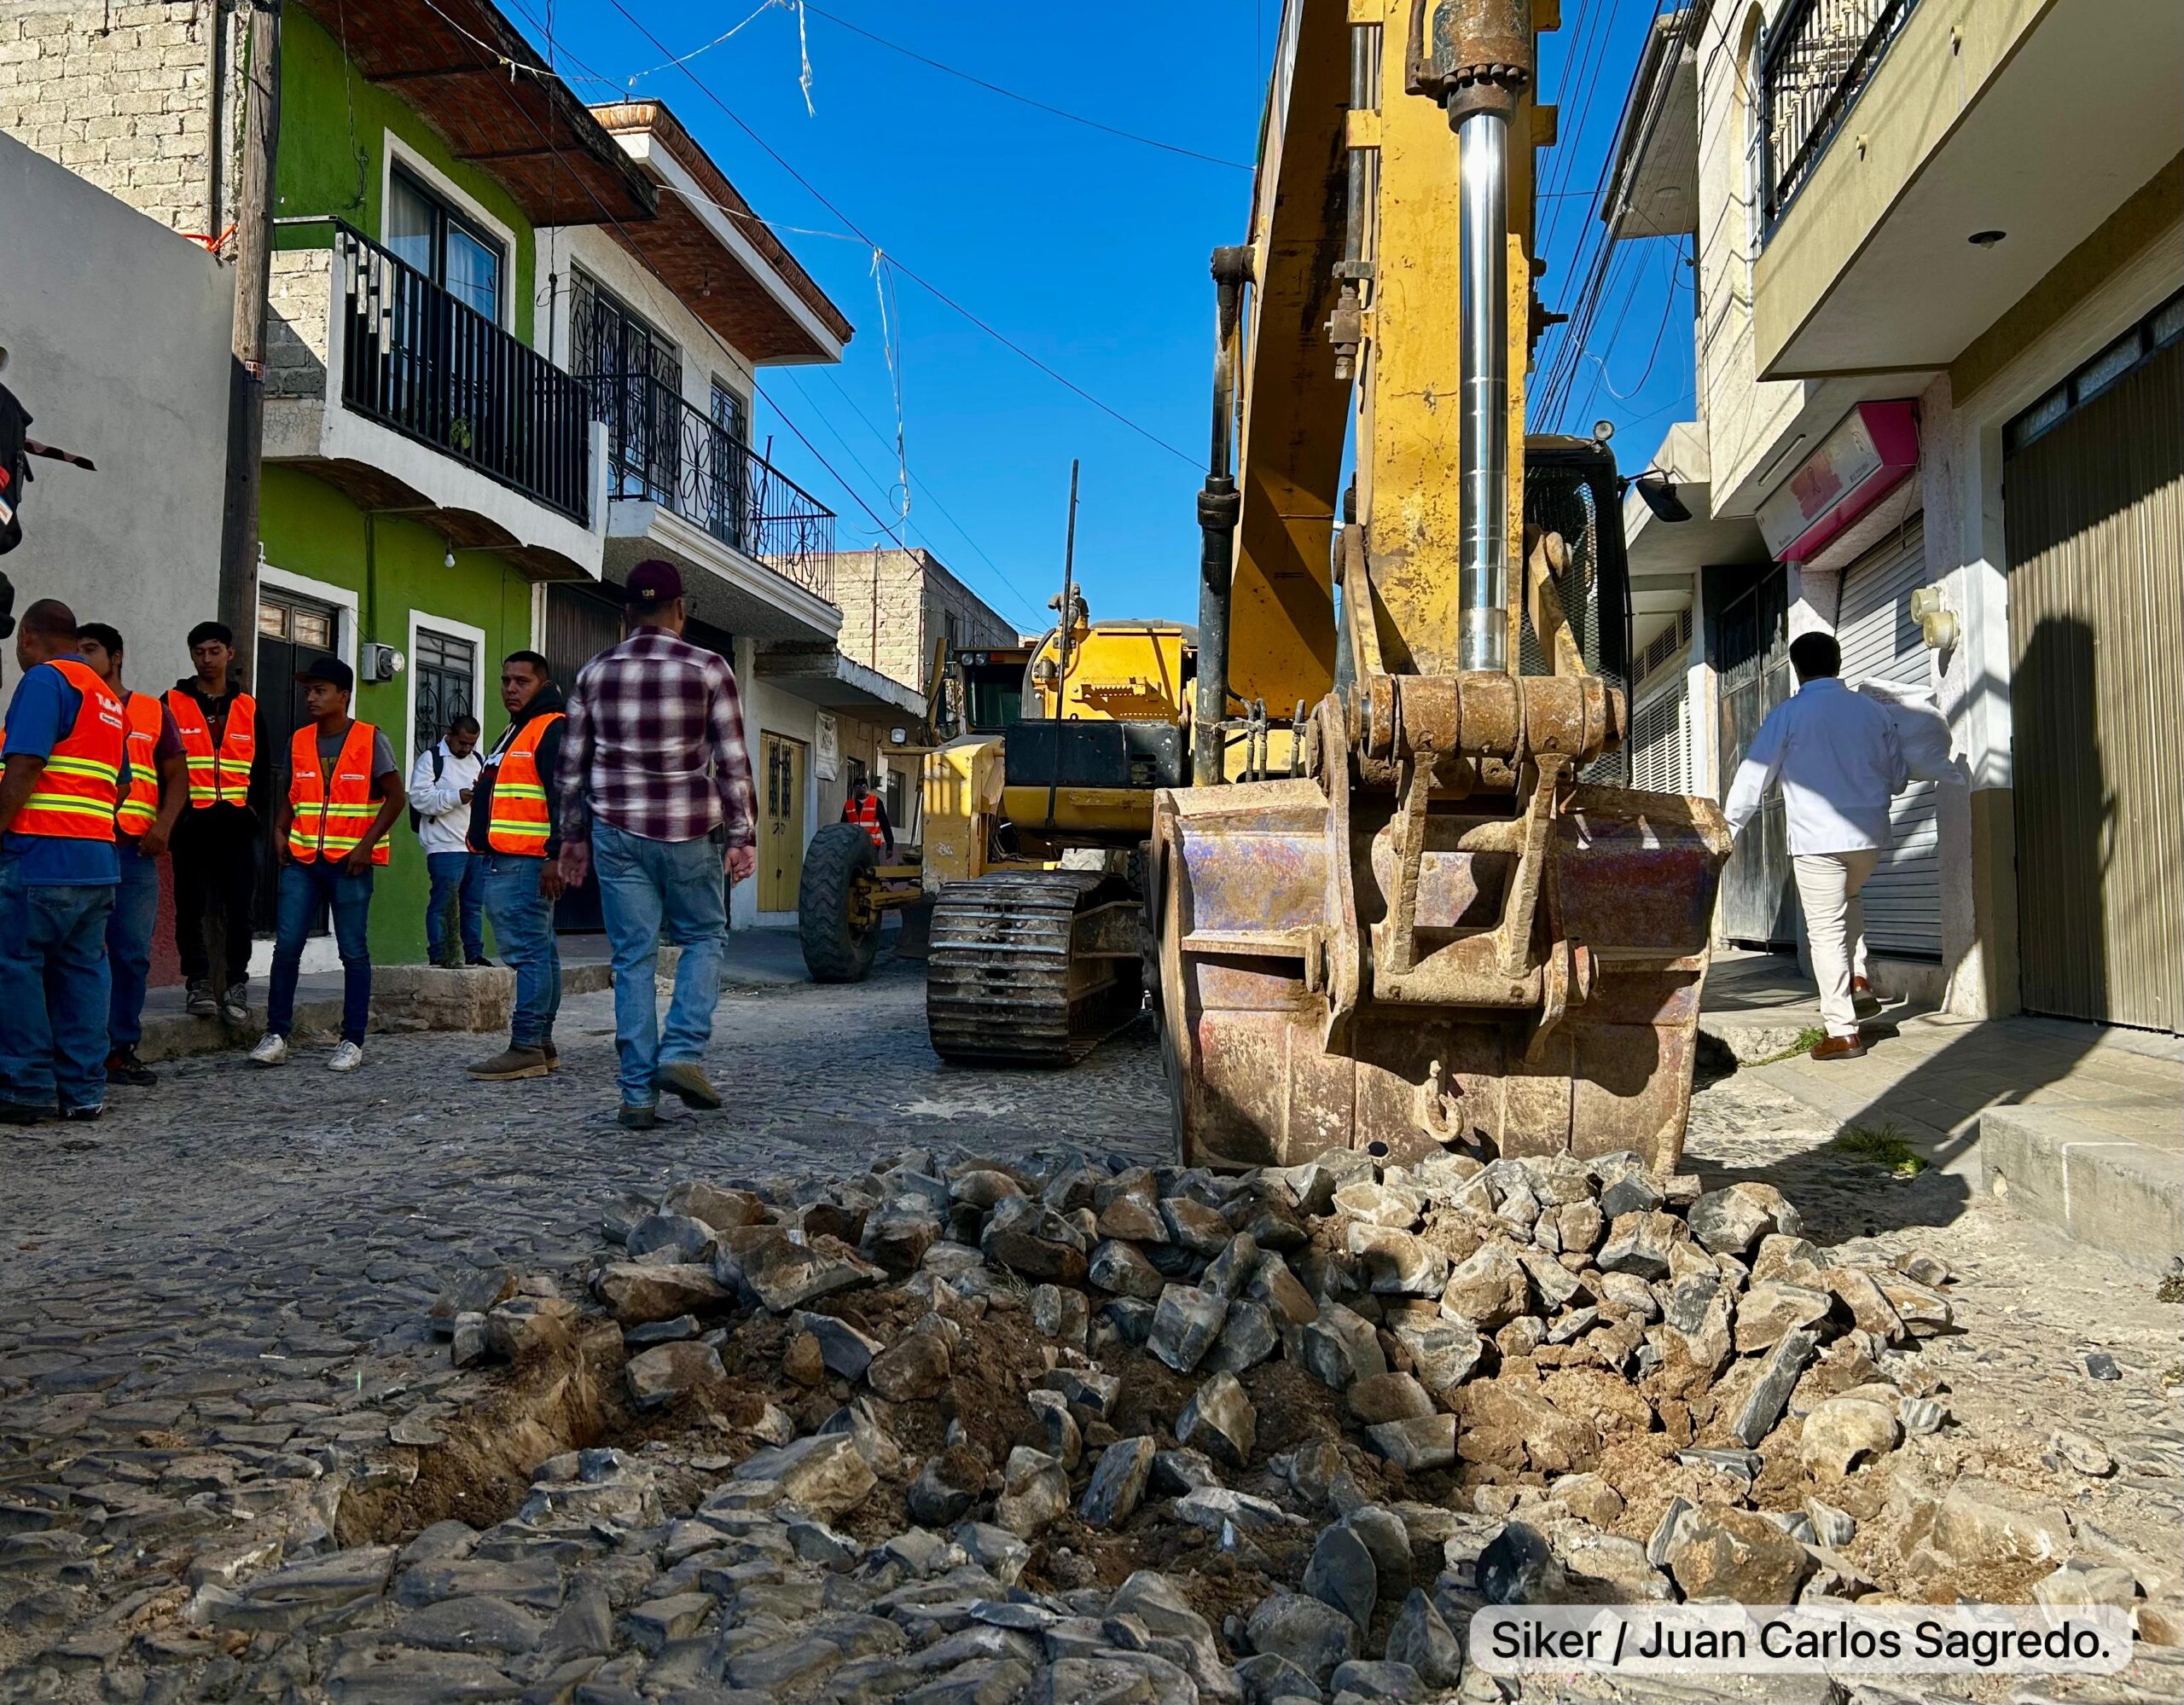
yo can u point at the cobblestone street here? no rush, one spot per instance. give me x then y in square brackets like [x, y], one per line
[213, 1305]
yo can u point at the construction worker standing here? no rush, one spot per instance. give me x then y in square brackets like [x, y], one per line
[344, 795]
[515, 817]
[66, 757]
[866, 806]
[158, 793]
[216, 842]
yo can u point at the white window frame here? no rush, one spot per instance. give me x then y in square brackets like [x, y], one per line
[343, 601]
[398, 153]
[454, 630]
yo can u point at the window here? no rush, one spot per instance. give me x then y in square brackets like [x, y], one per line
[307, 626]
[637, 389]
[456, 255]
[447, 680]
[730, 413]
[727, 503]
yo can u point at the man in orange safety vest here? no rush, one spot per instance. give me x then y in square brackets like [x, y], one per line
[65, 773]
[344, 795]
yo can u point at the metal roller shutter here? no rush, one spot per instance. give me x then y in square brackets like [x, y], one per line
[1660, 735]
[1873, 625]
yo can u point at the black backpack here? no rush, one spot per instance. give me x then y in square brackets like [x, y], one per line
[439, 768]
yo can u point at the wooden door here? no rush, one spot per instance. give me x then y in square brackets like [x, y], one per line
[780, 822]
[1759, 903]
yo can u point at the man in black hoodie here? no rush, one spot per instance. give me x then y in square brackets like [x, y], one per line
[515, 824]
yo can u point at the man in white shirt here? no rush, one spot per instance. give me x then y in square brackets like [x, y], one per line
[440, 810]
[1837, 754]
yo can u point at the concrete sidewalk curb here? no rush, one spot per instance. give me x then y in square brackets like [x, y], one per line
[2106, 1190]
[405, 998]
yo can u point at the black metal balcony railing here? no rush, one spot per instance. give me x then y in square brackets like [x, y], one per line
[663, 449]
[433, 368]
[1817, 60]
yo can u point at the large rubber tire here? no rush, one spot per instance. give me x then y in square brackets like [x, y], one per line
[840, 856]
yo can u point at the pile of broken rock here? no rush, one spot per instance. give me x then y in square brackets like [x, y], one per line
[1107, 1432]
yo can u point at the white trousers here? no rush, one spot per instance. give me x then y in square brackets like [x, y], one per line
[1835, 925]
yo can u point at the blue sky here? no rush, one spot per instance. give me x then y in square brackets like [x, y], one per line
[1087, 250]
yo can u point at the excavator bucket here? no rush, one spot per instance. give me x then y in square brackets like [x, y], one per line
[1547, 1002]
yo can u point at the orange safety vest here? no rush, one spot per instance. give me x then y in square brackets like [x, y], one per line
[866, 814]
[518, 823]
[140, 805]
[75, 794]
[328, 824]
[221, 777]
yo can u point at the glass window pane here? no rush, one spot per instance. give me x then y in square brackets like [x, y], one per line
[473, 271]
[272, 620]
[410, 218]
[312, 629]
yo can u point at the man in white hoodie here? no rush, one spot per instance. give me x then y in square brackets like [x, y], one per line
[440, 810]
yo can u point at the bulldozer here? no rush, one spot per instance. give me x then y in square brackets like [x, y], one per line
[1452, 927]
[1038, 773]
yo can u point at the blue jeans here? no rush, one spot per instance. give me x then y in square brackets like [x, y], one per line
[305, 886]
[456, 876]
[648, 888]
[128, 943]
[523, 930]
[54, 991]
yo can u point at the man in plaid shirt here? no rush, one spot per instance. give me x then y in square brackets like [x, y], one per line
[653, 764]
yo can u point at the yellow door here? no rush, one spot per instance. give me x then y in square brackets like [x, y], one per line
[781, 823]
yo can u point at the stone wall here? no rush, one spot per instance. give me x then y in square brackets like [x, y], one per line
[121, 95]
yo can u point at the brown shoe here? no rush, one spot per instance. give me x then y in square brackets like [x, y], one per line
[1840, 1047]
[553, 1054]
[509, 1064]
[686, 1079]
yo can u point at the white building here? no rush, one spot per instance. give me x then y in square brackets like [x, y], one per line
[1940, 359]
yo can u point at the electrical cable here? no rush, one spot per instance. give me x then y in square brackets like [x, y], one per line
[923, 283]
[1576, 332]
[632, 246]
[1026, 99]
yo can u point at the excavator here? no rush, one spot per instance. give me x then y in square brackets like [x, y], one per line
[1039, 763]
[1445, 924]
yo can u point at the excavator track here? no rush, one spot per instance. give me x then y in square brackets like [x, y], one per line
[1006, 984]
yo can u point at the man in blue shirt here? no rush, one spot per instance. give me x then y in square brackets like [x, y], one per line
[57, 891]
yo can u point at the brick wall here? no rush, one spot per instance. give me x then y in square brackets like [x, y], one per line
[296, 301]
[121, 94]
[894, 605]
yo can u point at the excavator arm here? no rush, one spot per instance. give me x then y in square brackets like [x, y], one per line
[1444, 928]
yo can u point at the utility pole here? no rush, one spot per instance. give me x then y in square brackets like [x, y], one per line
[261, 140]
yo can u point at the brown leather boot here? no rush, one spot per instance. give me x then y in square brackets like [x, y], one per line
[1840, 1047]
[511, 1063]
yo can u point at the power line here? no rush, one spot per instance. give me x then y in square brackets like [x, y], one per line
[1026, 99]
[934, 290]
[632, 246]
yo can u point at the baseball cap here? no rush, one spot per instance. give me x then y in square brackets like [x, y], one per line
[329, 668]
[654, 582]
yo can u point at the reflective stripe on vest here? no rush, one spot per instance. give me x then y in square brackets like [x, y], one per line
[74, 796]
[221, 777]
[519, 823]
[140, 806]
[328, 822]
[869, 814]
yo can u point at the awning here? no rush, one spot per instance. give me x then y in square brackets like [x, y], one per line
[471, 76]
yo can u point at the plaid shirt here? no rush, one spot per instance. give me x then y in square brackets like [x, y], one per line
[646, 720]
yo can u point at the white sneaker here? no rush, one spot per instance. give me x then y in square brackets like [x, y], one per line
[346, 1058]
[271, 1050]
